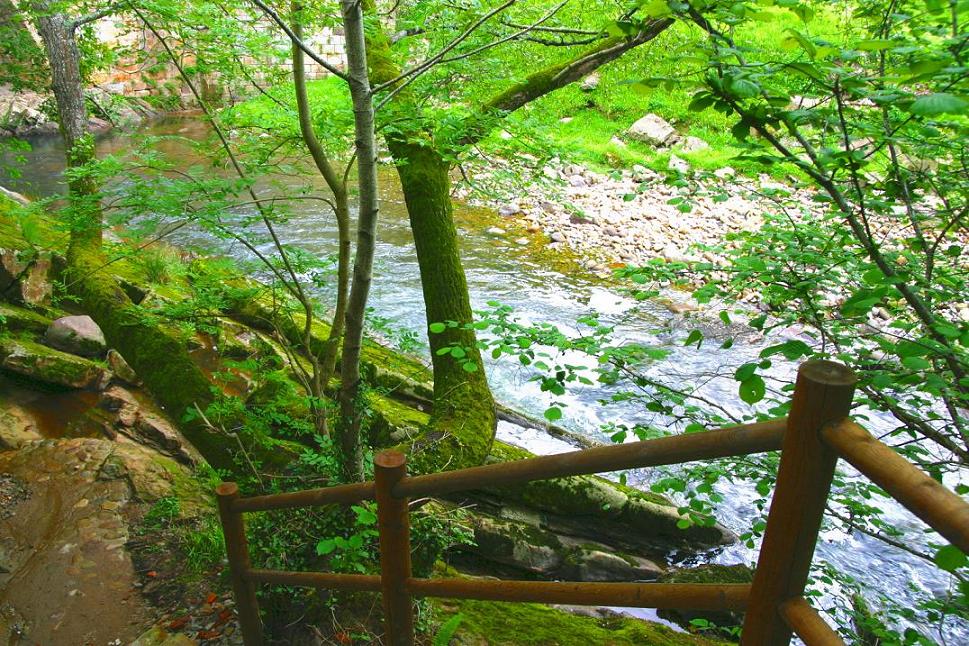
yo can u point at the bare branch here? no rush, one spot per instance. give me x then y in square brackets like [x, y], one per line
[97, 15]
[433, 60]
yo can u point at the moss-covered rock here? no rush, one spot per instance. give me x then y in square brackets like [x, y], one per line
[19, 319]
[710, 573]
[593, 506]
[529, 624]
[46, 365]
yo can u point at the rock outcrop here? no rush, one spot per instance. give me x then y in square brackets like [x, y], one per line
[49, 366]
[66, 574]
[653, 130]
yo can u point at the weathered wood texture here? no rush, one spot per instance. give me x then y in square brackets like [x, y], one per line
[808, 624]
[237, 550]
[822, 394]
[393, 520]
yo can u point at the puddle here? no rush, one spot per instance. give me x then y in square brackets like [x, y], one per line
[52, 413]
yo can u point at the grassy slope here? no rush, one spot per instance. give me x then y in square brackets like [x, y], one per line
[609, 110]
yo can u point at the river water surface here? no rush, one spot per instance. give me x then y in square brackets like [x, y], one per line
[497, 269]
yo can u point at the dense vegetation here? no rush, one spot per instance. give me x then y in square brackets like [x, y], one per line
[855, 112]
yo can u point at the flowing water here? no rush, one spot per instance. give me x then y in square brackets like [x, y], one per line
[498, 270]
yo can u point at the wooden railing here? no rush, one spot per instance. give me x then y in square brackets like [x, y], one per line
[813, 437]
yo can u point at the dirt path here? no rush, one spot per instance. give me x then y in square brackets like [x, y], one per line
[65, 576]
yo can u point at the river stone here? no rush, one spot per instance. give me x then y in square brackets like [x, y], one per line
[24, 277]
[16, 427]
[678, 165]
[692, 145]
[47, 365]
[653, 130]
[78, 335]
[121, 369]
[590, 83]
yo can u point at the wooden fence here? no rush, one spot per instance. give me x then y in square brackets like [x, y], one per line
[811, 439]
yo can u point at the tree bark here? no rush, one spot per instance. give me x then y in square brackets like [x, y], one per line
[341, 203]
[349, 429]
[64, 58]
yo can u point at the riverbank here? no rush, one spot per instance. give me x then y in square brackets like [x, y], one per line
[105, 406]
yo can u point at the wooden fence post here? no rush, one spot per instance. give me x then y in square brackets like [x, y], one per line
[394, 523]
[237, 550]
[822, 394]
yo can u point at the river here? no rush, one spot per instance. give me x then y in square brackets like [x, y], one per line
[497, 269]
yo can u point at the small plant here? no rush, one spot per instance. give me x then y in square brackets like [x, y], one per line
[447, 630]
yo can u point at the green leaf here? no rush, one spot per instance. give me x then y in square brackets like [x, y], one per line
[325, 546]
[437, 328]
[938, 103]
[696, 336]
[469, 366]
[553, 413]
[791, 350]
[753, 390]
[950, 558]
[745, 372]
[916, 363]
[874, 44]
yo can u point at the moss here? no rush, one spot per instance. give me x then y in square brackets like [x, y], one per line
[710, 573]
[530, 624]
[19, 319]
[44, 364]
[631, 516]
[393, 422]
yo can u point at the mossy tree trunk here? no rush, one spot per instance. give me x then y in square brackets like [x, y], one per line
[58, 33]
[159, 356]
[464, 418]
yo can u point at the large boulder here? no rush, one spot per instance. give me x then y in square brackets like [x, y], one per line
[49, 366]
[653, 130]
[517, 539]
[146, 425]
[78, 335]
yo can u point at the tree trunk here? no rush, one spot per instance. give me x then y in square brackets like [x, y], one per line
[60, 42]
[462, 427]
[464, 419]
[341, 203]
[349, 429]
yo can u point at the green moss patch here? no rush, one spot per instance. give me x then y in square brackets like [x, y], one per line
[531, 624]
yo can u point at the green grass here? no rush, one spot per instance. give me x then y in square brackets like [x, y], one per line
[619, 101]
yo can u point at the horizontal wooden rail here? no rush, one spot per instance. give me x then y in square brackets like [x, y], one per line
[691, 596]
[808, 624]
[943, 510]
[339, 495]
[706, 445]
[352, 582]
